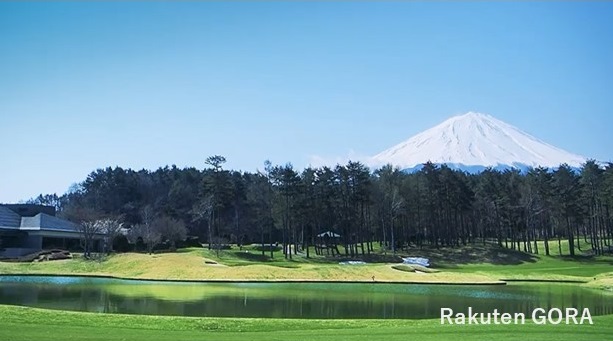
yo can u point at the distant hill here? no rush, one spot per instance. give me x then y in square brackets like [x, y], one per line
[473, 142]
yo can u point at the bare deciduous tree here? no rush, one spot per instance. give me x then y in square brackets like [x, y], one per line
[218, 244]
[146, 230]
[170, 229]
[87, 226]
[147, 233]
[111, 228]
[204, 210]
[89, 230]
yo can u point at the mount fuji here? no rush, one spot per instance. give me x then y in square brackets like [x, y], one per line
[473, 142]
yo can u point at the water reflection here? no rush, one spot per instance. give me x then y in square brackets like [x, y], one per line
[290, 300]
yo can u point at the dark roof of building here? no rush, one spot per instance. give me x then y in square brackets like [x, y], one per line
[41, 221]
[8, 218]
[44, 221]
[30, 210]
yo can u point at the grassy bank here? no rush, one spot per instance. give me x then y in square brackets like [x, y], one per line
[189, 264]
[17, 323]
[475, 264]
[472, 264]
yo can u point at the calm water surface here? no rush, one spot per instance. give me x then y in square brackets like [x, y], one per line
[290, 300]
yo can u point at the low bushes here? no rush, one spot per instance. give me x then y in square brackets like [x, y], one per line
[41, 256]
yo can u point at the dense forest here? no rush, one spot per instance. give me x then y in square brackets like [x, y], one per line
[435, 207]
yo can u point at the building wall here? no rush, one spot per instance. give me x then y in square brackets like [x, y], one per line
[33, 242]
[36, 241]
[14, 252]
[27, 245]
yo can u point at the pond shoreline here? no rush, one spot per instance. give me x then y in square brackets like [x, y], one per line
[188, 267]
[304, 300]
[544, 280]
[501, 282]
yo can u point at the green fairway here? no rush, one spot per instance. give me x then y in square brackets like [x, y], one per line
[18, 323]
[470, 264]
[544, 267]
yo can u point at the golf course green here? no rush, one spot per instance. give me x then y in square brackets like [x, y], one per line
[479, 269]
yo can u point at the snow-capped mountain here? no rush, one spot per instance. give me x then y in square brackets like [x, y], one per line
[472, 142]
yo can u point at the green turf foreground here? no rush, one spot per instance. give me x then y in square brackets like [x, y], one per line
[19, 323]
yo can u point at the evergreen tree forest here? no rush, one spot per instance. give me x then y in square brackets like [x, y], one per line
[434, 207]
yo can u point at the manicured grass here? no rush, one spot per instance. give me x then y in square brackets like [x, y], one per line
[470, 264]
[189, 264]
[17, 323]
[582, 248]
[544, 267]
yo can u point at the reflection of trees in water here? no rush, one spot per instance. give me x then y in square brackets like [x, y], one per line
[317, 304]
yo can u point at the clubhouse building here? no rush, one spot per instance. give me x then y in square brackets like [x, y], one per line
[26, 228]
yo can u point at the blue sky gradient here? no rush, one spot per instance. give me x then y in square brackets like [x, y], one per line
[142, 85]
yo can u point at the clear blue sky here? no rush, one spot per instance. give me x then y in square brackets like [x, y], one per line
[142, 85]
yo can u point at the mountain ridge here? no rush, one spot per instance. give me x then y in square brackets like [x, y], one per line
[474, 141]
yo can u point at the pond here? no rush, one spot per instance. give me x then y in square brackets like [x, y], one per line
[291, 300]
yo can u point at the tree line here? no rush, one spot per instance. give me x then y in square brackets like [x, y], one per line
[434, 207]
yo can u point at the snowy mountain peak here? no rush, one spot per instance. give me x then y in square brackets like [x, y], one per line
[471, 114]
[476, 139]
